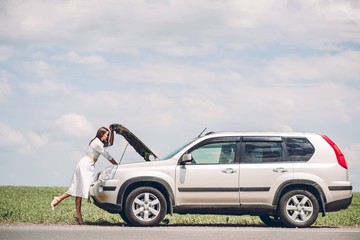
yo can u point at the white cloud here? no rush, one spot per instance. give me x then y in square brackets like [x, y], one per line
[104, 99]
[5, 87]
[36, 139]
[282, 127]
[40, 68]
[159, 71]
[178, 50]
[342, 67]
[32, 143]
[45, 87]
[76, 58]
[203, 109]
[45, 79]
[9, 137]
[18, 142]
[6, 52]
[352, 154]
[178, 26]
[312, 22]
[74, 125]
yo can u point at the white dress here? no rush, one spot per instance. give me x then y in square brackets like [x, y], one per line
[84, 170]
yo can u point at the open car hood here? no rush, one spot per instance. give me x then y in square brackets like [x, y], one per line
[138, 145]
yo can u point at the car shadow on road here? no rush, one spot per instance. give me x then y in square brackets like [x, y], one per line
[168, 224]
[123, 224]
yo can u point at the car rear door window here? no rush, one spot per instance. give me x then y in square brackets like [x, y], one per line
[263, 152]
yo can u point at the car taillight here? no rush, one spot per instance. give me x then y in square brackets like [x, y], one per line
[340, 157]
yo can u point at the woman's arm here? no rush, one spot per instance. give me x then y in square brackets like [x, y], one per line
[98, 147]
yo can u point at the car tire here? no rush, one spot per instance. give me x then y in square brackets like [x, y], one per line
[272, 221]
[298, 208]
[145, 206]
[123, 216]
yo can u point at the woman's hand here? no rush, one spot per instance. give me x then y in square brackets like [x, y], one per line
[113, 162]
[111, 140]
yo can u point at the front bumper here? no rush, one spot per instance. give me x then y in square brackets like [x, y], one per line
[111, 208]
[104, 194]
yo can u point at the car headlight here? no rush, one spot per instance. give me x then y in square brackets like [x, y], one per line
[108, 173]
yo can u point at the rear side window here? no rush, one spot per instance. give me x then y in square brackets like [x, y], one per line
[299, 149]
[263, 152]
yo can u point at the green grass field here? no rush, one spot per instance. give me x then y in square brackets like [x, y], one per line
[32, 205]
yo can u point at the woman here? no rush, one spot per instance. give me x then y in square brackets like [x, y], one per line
[84, 170]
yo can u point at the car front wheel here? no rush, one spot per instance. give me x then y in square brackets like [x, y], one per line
[271, 221]
[145, 206]
[298, 208]
[123, 216]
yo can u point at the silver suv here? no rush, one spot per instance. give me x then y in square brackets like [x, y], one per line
[286, 179]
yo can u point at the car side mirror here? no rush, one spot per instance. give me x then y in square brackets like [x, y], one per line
[186, 158]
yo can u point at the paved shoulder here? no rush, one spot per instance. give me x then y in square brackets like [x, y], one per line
[45, 232]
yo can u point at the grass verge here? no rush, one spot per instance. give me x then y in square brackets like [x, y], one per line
[32, 205]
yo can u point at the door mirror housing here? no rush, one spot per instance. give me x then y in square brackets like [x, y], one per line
[186, 158]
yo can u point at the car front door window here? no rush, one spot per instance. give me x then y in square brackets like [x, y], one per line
[214, 153]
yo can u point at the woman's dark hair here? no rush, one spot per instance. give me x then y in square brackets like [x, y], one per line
[101, 132]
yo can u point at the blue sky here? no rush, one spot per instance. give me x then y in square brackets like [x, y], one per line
[168, 69]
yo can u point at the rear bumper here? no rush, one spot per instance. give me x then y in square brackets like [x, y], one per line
[338, 205]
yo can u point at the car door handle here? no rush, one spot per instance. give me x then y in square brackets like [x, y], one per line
[280, 170]
[228, 170]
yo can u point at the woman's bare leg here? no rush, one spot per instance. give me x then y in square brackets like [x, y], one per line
[57, 200]
[78, 215]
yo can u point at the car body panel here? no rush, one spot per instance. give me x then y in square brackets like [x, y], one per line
[207, 184]
[259, 182]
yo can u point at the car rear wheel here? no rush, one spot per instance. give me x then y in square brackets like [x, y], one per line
[298, 208]
[145, 206]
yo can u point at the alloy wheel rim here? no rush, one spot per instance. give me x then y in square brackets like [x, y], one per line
[299, 208]
[146, 207]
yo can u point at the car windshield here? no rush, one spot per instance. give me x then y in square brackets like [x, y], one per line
[173, 153]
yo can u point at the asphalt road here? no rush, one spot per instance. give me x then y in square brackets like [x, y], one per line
[54, 232]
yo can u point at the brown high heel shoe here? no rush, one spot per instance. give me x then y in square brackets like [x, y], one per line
[79, 220]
